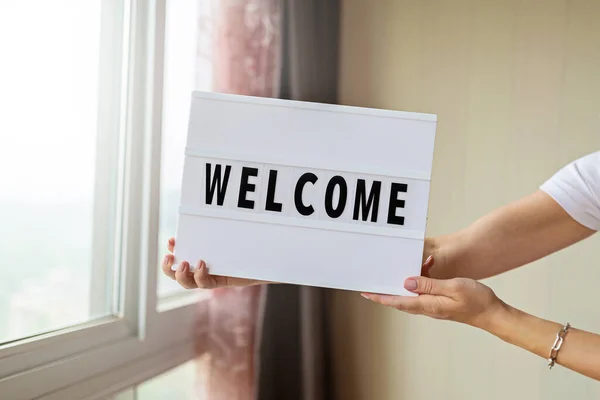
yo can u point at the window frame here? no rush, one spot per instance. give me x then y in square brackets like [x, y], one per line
[148, 336]
[109, 157]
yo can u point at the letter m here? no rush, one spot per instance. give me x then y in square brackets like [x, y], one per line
[364, 205]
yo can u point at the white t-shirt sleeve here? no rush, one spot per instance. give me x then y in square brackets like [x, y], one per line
[576, 187]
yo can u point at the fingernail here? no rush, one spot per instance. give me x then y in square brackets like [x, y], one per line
[428, 259]
[410, 284]
[166, 260]
[366, 296]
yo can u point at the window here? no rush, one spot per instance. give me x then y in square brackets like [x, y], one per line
[49, 161]
[91, 141]
[177, 383]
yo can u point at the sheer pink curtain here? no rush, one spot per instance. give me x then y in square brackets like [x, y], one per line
[244, 49]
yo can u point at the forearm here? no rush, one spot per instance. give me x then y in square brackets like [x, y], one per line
[580, 350]
[509, 237]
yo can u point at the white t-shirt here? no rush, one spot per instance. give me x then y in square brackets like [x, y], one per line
[576, 187]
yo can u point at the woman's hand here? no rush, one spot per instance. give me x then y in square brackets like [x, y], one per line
[458, 299]
[200, 278]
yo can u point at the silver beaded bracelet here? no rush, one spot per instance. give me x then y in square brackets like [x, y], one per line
[560, 336]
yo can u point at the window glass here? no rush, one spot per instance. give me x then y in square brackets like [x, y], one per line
[48, 131]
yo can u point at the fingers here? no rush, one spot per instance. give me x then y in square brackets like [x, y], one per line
[424, 285]
[184, 277]
[167, 264]
[202, 278]
[427, 266]
[412, 305]
[169, 260]
[182, 274]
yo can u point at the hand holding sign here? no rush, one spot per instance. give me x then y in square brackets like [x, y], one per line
[201, 277]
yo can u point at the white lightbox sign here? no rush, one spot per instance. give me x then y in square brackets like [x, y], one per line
[305, 193]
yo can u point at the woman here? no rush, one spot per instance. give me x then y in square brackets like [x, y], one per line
[563, 211]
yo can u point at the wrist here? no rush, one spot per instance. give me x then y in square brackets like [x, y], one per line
[523, 330]
[497, 318]
[501, 321]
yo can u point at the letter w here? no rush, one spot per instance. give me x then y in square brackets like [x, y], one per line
[216, 180]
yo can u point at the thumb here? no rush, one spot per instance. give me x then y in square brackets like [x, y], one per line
[424, 285]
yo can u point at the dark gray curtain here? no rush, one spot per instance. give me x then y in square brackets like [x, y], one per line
[310, 50]
[294, 351]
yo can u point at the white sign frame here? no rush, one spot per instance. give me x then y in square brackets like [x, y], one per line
[268, 232]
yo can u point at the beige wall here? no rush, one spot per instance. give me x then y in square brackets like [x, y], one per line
[516, 87]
